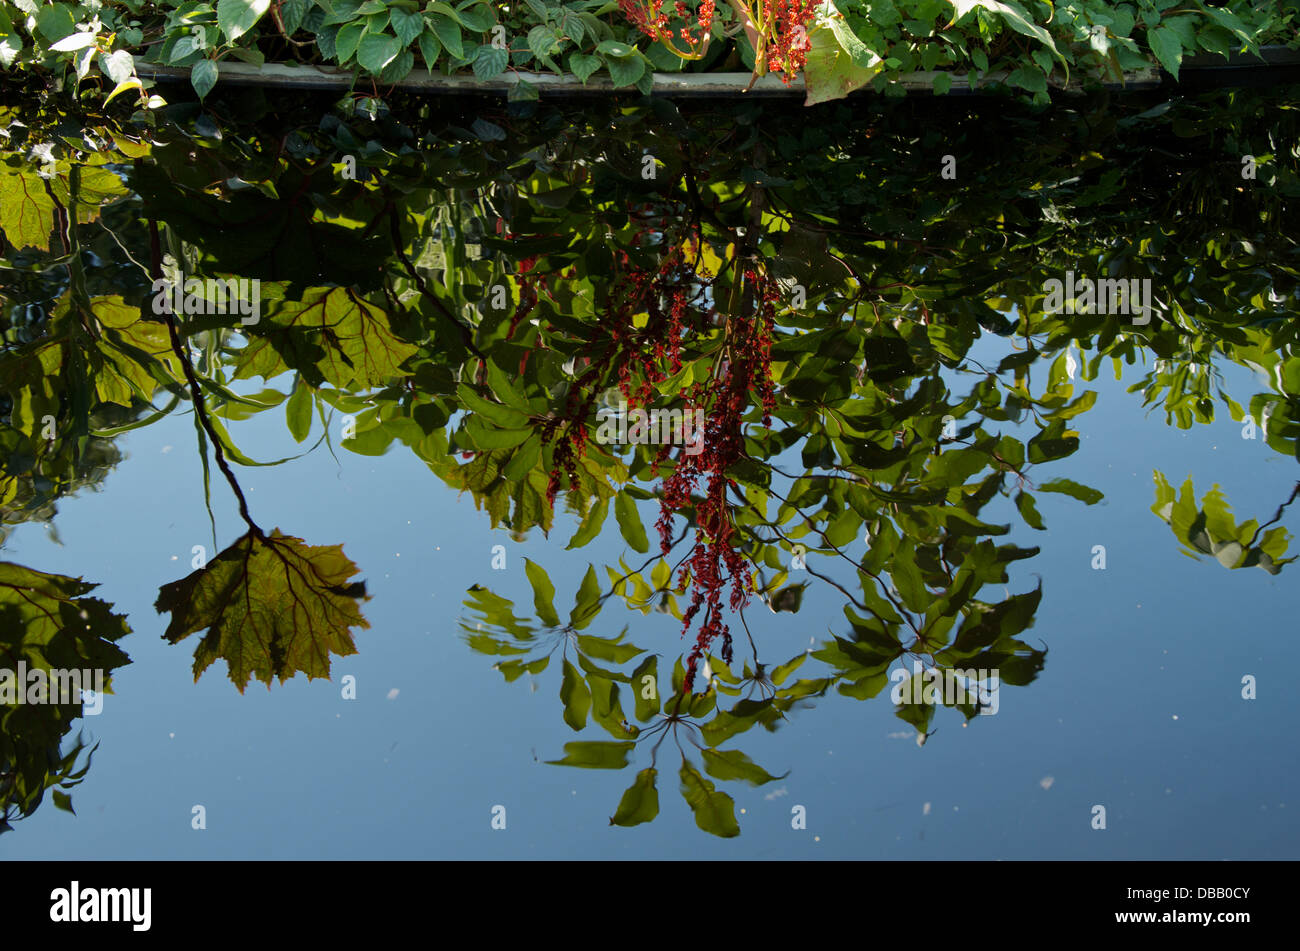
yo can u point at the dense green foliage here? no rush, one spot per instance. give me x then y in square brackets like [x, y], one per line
[91, 44]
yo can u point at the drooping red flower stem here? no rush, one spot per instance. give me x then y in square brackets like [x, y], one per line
[741, 376]
[637, 359]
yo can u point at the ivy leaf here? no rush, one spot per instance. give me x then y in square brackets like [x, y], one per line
[640, 803]
[271, 606]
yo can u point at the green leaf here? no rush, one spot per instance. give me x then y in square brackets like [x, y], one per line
[1083, 493]
[490, 61]
[583, 65]
[586, 603]
[1015, 17]
[831, 72]
[543, 593]
[1168, 48]
[575, 696]
[715, 812]
[55, 22]
[122, 87]
[204, 76]
[605, 649]
[496, 413]
[782, 671]
[629, 522]
[406, 25]
[237, 17]
[590, 526]
[63, 801]
[595, 754]
[359, 348]
[448, 31]
[377, 50]
[733, 764]
[271, 606]
[788, 598]
[619, 50]
[73, 42]
[540, 40]
[430, 46]
[1025, 502]
[118, 66]
[645, 692]
[640, 803]
[348, 39]
[625, 71]
[297, 410]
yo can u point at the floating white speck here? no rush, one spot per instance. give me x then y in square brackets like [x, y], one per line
[166, 449]
[925, 810]
[392, 694]
[171, 736]
[1046, 782]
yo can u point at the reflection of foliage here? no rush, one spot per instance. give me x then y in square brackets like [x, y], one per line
[47, 623]
[857, 666]
[490, 277]
[1209, 528]
[272, 606]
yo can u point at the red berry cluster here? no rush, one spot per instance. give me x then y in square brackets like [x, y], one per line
[788, 46]
[648, 16]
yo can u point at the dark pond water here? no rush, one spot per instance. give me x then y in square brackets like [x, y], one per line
[896, 480]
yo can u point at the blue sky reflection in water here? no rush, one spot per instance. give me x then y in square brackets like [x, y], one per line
[1138, 708]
